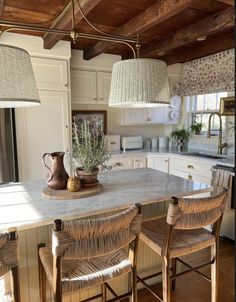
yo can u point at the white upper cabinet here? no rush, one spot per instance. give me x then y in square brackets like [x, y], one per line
[90, 87]
[50, 74]
[132, 116]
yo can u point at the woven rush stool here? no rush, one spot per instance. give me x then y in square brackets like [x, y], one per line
[182, 233]
[9, 258]
[87, 253]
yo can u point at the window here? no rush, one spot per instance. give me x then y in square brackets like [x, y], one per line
[206, 104]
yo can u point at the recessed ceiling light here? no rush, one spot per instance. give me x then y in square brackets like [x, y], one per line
[202, 38]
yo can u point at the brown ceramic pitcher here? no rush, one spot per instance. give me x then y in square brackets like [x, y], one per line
[57, 173]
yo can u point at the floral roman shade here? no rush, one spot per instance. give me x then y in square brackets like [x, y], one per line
[214, 73]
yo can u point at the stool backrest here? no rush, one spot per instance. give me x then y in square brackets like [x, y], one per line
[9, 251]
[84, 239]
[193, 213]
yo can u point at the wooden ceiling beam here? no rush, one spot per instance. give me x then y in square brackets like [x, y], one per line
[211, 46]
[1, 6]
[65, 22]
[216, 23]
[152, 16]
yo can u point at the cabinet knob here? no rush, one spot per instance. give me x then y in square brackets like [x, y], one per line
[190, 177]
[101, 99]
[166, 160]
[118, 164]
[190, 167]
[66, 85]
[95, 99]
[148, 119]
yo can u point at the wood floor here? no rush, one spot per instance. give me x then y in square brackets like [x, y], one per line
[193, 288]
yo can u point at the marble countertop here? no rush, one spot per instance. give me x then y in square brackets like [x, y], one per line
[23, 206]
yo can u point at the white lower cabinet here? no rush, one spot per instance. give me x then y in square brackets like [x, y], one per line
[195, 170]
[139, 162]
[158, 162]
[40, 129]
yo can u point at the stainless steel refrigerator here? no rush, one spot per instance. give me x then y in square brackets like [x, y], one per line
[8, 152]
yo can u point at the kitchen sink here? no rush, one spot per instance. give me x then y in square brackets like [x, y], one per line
[199, 154]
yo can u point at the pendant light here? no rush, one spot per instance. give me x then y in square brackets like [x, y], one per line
[139, 83]
[17, 82]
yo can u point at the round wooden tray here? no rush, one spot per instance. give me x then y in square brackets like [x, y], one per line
[64, 194]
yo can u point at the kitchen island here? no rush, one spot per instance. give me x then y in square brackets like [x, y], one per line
[22, 205]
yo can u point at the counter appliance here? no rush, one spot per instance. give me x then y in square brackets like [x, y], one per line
[131, 142]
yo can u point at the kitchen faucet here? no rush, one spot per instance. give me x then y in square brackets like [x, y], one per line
[220, 145]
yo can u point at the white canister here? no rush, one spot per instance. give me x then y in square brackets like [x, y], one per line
[163, 142]
[154, 143]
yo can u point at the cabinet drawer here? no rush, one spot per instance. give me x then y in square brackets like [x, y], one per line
[191, 166]
[121, 163]
[139, 162]
[191, 176]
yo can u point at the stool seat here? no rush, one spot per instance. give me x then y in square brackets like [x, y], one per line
[183, 242]
[77, 275]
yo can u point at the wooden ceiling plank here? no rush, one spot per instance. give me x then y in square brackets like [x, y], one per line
[229, 2]
[65, 22]
[152, 16]
[216, 23]
[1, 6]
[213, 45]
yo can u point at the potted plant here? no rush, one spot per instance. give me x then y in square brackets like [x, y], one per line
[196, 128]
[90, 152]
[180, 136]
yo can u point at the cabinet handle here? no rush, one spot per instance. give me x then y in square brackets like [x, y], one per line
[118, 164]
[190, 177]
[166, 160]
[66, 85]
[148, 119]
[101, 99]
[112, 143]
[95, 99]
[190, 167]
[137, 160]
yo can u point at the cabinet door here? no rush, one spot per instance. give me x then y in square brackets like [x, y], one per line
[104, 83]
[41, 129]
[159, 163]
[139, 162]
[156, 115]
[50, 73]
[83, 86]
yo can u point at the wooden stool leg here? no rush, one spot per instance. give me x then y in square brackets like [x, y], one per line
[214, 272]
[42, 277]
[166, 279]
[16, 283]
[104, 293]
[174, 262]
[134, 297]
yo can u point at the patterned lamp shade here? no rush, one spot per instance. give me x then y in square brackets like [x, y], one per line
[17, 82]
[139, 83]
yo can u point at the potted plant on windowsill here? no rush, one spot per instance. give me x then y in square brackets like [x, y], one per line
[90, 153]
[180, 136]
[196, 128]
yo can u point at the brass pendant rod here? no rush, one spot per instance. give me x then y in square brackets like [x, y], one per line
[25, 26]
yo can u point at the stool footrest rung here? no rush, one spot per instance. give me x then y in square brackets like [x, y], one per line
[148, 287]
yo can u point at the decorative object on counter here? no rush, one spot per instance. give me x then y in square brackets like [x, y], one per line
[227, 106]
[163, 142]
[154, 143]
[180, 136]
[73, 184]
[97, 119]
[57, 173]
[67, 195]
[18, 85]
[196, 128]
[90, 151]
